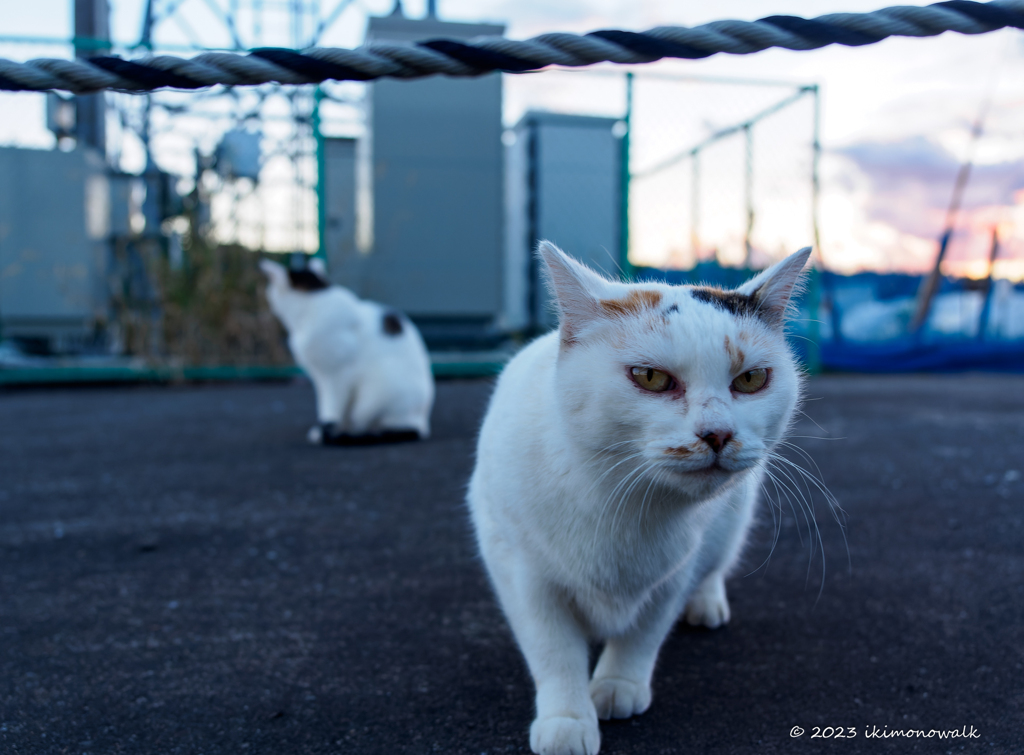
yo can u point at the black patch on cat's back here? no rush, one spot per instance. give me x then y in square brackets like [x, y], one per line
[392, 322]
[306, 280]
[732, 302]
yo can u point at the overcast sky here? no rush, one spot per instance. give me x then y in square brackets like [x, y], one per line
[896, 115]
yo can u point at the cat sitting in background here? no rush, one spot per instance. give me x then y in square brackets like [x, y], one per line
[368, 364]
[617, 471]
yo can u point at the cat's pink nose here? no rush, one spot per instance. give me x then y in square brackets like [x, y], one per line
[717, 439]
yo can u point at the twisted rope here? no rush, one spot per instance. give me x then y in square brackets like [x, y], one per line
[486, 54]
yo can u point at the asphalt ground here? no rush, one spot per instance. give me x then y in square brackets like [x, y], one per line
[181, 573]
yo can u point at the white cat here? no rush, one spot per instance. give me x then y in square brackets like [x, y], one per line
[616, 475]
[368, 364]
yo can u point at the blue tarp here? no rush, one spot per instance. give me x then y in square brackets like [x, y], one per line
[884, 301]
[910, 355]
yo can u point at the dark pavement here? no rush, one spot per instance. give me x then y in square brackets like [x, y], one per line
[181, 573]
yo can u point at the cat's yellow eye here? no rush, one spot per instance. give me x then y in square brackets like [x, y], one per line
[751, 381]
[651, 379]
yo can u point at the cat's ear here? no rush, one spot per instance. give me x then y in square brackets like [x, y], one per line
[317, 266]
[577, 289]
[275, 273]
[774, 288]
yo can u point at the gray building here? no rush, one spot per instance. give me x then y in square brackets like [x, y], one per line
[54, 225]
[431, 179]
[563, 184]
[341, 216]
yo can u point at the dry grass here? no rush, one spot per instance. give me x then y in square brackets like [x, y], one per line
[209, 310]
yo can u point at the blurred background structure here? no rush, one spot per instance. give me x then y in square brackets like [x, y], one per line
[130, 225]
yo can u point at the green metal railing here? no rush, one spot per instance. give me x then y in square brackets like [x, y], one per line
[81, 374]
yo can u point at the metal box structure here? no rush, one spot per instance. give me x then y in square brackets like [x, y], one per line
[436, 154]
[54, 223]
[340, 196]
[565, 185]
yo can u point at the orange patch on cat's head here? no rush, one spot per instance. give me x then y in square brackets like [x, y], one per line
[633, 303]
[736, 356]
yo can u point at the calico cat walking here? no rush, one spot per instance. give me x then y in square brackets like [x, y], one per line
[616, 475]
[368, 364]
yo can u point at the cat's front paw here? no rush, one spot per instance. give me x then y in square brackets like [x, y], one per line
[315, 435]
[619, 698]
[708, 606]
[562, 735]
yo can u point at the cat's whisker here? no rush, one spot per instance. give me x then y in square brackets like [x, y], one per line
[596, 485]
[619, 501]
[799, 482]
[801, 451]
[812, 420]
[776, 523]
[806, 478]
[792, 486]
[602, 511]
[637, 476]
[658, 477]
[809, 518]
[650, 465]
[803, 494]
[802, 338]
[815, 480]
[608, 450]
[646, 507]
[623, 481]
[785, 490]
[634, 455]
[813, 437]
[838, 513]
[771, 549]
[612, 496]
[643, 501]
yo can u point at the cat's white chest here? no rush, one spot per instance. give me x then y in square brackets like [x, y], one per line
[617, 561]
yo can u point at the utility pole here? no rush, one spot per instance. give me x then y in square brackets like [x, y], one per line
[986, 307]
[932, 282]
[321, 177]
[92, 38]
[624, 263]
[748, 194]
[153, 207]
